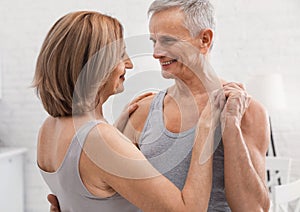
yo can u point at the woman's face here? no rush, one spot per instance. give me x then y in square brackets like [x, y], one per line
[117, 78]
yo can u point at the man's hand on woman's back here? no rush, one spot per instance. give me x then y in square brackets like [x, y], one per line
[54, 203]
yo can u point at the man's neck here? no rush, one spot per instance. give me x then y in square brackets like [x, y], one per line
[183, 90]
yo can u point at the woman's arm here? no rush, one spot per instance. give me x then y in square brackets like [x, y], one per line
[125, 169]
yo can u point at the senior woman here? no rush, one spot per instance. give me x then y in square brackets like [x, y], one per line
[87, 163]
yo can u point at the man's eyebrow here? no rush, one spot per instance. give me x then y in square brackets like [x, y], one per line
[168, 37]
[152, 39]
[164, 37]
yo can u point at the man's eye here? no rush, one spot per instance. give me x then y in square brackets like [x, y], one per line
[168, 41]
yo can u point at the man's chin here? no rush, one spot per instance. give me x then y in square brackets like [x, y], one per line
[167, 75]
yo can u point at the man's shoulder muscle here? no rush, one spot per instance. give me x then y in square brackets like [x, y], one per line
[138, 118]
[255, 124]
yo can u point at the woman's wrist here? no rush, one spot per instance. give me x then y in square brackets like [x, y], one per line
[230, 124]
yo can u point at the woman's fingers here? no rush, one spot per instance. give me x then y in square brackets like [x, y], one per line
[132, 107]
[235, 85]
[128, 110]
[238, 100]
[139, 98]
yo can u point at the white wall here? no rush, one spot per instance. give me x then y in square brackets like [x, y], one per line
[263, 37]
[252, 37]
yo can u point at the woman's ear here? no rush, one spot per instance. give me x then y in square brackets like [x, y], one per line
[206, 40]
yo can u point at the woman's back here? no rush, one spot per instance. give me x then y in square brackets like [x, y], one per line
[54, 139]
[60, 169]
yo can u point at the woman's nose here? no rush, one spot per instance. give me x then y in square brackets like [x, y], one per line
[128, 63]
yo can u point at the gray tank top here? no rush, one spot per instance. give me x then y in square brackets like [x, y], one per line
[170, 153]
[67, 185]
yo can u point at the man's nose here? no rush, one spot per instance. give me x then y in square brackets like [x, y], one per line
[158, 51]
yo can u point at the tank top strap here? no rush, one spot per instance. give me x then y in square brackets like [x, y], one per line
[157, 103]
[154, 118]
[84, 130]
[73, 158]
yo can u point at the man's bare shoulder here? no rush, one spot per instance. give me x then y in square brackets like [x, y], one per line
[138, 117]
[255, 124]
[255, 115]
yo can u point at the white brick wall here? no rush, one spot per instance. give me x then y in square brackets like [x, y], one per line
[252, 37]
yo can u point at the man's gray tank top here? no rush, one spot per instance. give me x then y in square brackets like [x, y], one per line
[170, 153]
[67, 185]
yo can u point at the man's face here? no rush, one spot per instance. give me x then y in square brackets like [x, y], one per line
[173, 45]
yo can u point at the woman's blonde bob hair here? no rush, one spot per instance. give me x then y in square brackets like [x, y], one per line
[77, 57]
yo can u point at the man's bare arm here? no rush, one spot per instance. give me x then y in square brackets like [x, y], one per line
[137, 120]
[244, 157]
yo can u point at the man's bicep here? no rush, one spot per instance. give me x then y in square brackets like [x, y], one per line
[257, 137]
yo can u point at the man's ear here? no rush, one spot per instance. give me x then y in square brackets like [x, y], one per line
[206, 40]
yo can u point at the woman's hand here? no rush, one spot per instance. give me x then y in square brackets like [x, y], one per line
[121, 122]
[208, 123]
[237, 103]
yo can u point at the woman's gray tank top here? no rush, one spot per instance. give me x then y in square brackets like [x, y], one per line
[67, 185]
[170, 153]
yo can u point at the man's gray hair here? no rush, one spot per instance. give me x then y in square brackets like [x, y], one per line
[199, 14]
